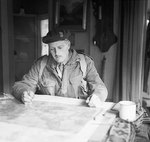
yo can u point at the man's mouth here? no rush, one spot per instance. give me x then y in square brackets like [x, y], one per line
[57, 56]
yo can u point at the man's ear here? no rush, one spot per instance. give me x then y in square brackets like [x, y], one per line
[68, 43]
[49, 45]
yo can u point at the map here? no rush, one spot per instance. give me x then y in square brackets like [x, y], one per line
[46, 115]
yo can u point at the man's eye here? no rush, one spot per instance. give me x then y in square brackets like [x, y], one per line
[52, 49]
[60, 47]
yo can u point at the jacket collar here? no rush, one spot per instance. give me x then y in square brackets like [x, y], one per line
[74, 57]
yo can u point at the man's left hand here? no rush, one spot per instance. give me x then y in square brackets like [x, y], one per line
[93, 101]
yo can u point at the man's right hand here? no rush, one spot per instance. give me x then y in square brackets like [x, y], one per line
[27, 97]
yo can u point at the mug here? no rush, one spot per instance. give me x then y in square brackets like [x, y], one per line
[127, 110]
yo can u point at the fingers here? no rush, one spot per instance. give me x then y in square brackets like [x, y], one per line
[27, 97]
[94, 101]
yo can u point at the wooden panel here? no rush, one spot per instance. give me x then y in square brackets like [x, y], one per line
[21, 68]
[25, 48]
[25, 43]
[24, 25]
[1, 65]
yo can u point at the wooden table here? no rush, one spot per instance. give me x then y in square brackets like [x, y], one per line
[53, 119]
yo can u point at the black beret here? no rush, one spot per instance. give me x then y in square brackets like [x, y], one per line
[56, 35]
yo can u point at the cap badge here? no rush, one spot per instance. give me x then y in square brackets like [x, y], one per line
[61, 34]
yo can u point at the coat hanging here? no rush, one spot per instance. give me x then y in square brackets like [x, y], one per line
[104, 36]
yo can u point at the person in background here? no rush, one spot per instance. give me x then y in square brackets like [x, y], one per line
[61, 74]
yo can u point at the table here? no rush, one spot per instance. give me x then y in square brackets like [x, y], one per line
[53, 119]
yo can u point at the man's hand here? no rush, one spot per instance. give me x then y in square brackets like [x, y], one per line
[93, 101]
[27, 97]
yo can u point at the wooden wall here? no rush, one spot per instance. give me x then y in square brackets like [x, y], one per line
[1, 67]
[6, 44]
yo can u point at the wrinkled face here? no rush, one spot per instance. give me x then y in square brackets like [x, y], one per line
[60, 50]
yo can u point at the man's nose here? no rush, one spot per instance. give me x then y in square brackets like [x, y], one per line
[56, 51]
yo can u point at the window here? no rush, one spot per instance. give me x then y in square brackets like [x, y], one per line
[44, 30]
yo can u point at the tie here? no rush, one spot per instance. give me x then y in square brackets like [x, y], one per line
[64, 82]
[60, 69]
[62, 73]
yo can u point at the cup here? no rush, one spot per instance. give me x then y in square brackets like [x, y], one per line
[127, 110]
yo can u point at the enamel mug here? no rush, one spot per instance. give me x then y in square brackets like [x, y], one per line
[127, 110]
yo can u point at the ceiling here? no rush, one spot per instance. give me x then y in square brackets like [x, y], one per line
[31, 6]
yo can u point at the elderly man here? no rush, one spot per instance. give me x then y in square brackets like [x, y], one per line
[63, 73]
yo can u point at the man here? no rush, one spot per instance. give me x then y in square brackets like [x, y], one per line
[61, 74]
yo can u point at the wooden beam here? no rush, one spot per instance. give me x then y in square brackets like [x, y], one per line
[7, 40]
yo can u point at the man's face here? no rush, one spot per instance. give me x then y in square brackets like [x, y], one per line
[60, 50]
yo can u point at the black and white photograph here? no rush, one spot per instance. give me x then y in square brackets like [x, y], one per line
[74, 70]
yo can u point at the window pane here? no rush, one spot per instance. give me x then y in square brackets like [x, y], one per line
[44, 31]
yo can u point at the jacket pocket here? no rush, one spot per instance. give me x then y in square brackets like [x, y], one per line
[76, 79]
[79, 87]
[75, 83]
[48, 87]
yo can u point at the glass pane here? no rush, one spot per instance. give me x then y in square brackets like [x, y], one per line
[44, 31]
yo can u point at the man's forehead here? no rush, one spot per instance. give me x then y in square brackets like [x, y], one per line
[57, 43]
